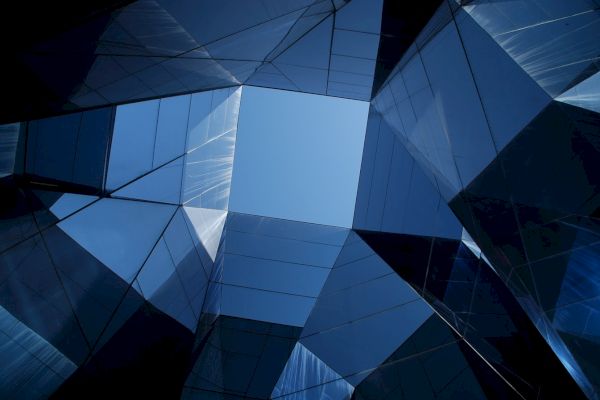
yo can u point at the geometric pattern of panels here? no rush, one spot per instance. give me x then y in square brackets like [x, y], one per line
[471, 267]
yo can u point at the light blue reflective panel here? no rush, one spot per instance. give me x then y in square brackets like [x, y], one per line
[177, 238]
[371, 339]
[311, 80]
[312, 50]
[286, 229]
[366, 297]
[355, 44]
[265, 306]
[279, 249]
[303, 371]
[170, 297]
[132, 147]
[510, 97]
[585, 95]
[162, 185]
[456, 96]
[254, 43]
[360, 15]
[211, 142]
[68, 203]
[206, 227]
[275, 276]
[9, 137]
[290, 146]
[172, 129]
[119, 233]
[156, 271]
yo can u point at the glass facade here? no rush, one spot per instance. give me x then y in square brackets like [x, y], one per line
[469, 268]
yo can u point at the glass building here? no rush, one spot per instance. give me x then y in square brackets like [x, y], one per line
[300, 199]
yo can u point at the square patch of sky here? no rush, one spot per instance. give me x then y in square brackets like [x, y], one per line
[298, 156]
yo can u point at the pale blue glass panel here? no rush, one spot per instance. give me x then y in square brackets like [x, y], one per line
[305, 377]
[172, 129]
[211, 143]
[355, 44]
[132, 147]
[162, 185]
[156, 271]
[585, 95]
[119, 233]
[207, 225]
[68, 203]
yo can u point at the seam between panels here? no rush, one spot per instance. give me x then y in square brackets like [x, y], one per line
[129, 287]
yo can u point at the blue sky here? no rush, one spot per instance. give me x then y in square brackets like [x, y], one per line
[298, 156]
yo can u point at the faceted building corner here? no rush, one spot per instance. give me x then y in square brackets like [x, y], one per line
[301, 199]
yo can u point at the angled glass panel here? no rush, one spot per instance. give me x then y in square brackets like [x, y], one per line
[585, 95]
[265, 306]
[171, 129]
[156, 271]
[254, 43]
[306, 372]
[208, 226]
[311, 50]
[536, 35]
[135, 128]
[273, 275]
[360, 15]
[211, 142]
[456, 96]
[69, 203]
[370, 339]
[119, 233]
[33, 367]
[162, 185]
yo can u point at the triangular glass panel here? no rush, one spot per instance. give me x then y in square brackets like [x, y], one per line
[119, 233]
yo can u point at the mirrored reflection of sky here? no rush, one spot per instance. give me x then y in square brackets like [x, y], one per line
[298, 156]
